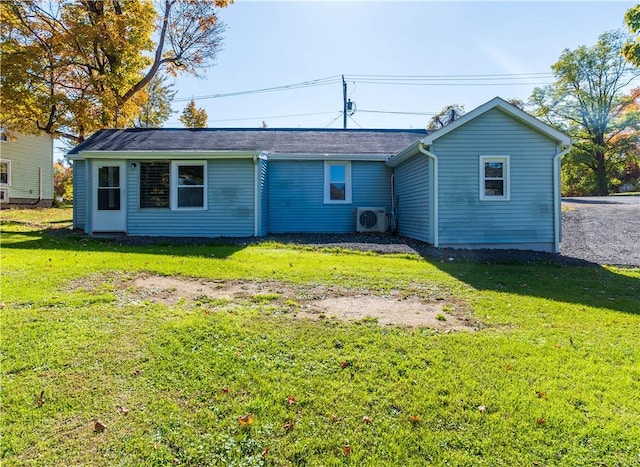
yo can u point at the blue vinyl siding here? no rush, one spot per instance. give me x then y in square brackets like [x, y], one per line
[526, 221]
[413, 203]
[296, 196]
[230, 210]
[80, 194]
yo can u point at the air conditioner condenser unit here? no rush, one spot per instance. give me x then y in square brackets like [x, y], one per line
[371, 220]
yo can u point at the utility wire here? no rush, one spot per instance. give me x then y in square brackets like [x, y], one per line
[426, 80]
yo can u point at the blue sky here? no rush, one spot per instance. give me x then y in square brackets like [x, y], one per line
[271, 44]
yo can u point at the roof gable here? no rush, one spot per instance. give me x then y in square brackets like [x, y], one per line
[510, 110]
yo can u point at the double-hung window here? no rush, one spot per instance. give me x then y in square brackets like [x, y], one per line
[5, 172]
[337, 182]
[175, 185]
[494, 178]
[189, 188]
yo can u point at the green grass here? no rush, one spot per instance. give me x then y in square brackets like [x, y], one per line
[552, 378]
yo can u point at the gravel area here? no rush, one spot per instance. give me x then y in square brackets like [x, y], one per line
[602, 230]
[595, 231]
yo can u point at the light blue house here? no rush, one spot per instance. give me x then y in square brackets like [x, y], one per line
[488, 180]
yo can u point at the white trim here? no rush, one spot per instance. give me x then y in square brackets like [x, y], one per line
[506, 177]
[4, 195]
[162, 155]
[8, 162]
[330, 157]
[512, 110]
[434, 211]
[327, 182]
[557, 207]
[174, 185]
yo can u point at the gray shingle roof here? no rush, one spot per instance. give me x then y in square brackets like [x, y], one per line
[272, 140]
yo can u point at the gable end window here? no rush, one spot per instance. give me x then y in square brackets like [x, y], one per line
[337, 182]
[5, 172]
[494, 178]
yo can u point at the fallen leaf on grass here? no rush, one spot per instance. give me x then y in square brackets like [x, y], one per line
[291, 400]
[415, 419]
[344, 364]
[288, 426]
[334, 418]
[224, 390]
[541, 421]
[482, 408]
[366, 420]
[123, 410]
[41, 399]
[246, 420]
[265, 451]
[346, 449]
[541, 395]
[136, 372]
[99, 426]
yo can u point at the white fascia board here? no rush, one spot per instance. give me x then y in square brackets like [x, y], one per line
[330, 157]
[512, 110]
[169, 155]
[403, 155]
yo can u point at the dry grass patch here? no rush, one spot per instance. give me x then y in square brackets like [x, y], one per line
[393, 307]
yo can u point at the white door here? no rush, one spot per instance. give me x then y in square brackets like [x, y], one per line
[108, 197]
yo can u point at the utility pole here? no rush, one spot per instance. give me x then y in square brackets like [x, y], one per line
[344, 106]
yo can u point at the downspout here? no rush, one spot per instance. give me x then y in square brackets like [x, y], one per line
[557, 211]
[431, 155]
[256, 193]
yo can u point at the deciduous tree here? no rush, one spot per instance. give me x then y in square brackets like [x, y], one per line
[156, 108]
[447, 115]
[193, 117]
[632, 47]
[588, 102]
[71, 67]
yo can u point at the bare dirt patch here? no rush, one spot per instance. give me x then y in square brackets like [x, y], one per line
[394, 307]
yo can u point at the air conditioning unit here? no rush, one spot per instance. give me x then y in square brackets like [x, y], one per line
[371, 220]
[4, 195]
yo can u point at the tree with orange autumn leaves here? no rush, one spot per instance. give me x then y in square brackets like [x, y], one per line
[72, 67]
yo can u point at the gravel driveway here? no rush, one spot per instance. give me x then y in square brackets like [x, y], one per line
[603, 230]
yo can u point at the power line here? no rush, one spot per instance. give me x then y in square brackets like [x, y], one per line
[401, 80]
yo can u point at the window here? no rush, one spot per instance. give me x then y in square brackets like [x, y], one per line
[337, 182]
[190, 182]
[154, 184]
[175, 185]
[494, 178]
[5, 172]
[3, 134]
[109, 188]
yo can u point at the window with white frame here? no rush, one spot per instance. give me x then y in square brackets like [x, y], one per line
[5, 172]
[189, 188]
[174, 185]
[337, 182]
[3, 135]
[494, 178]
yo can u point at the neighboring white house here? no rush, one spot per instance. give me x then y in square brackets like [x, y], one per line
[26, 169]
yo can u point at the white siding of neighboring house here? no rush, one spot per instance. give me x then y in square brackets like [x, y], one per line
[31, 159]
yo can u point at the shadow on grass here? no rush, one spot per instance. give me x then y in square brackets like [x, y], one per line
[592, 286]
[571, 281]
[65, 239]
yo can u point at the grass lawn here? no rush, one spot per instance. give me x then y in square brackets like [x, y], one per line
[552, 377]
